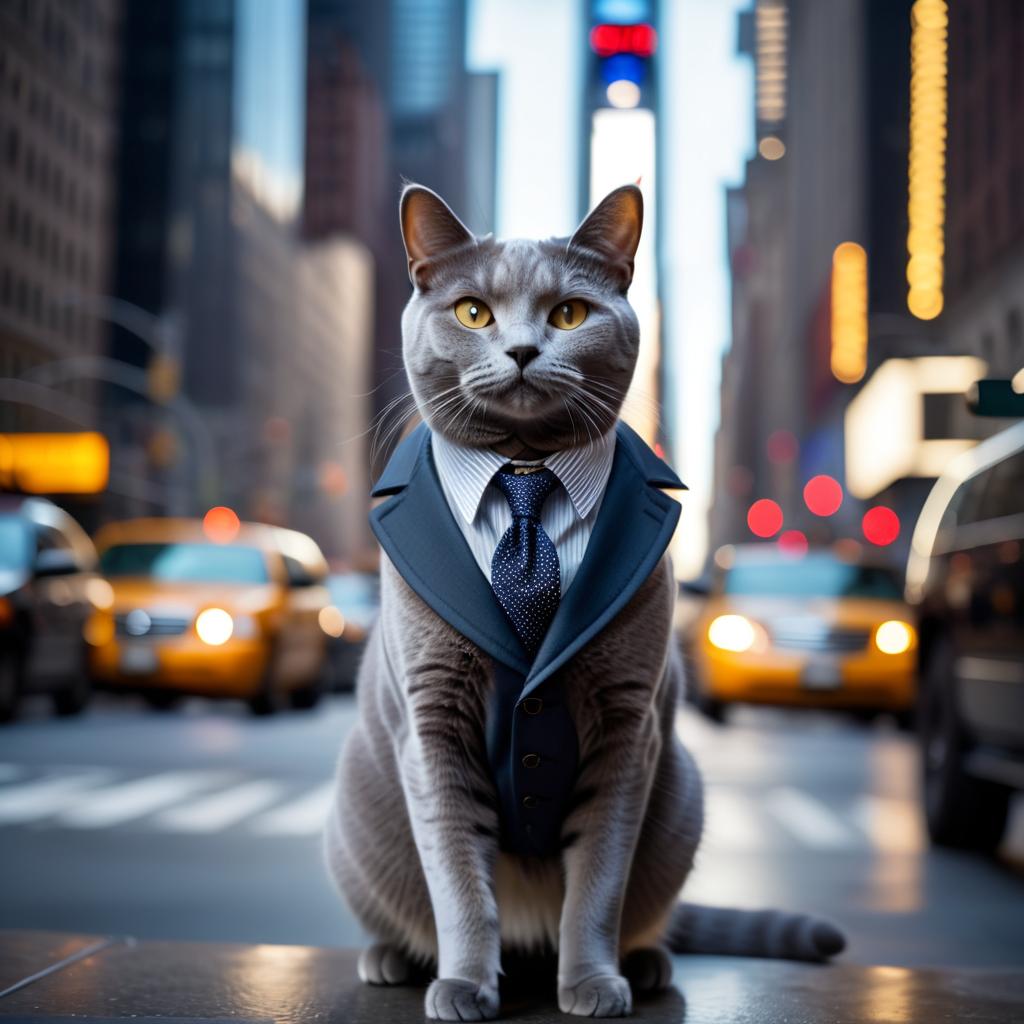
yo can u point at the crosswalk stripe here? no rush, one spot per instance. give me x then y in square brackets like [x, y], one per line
[117, 804]
[732, 820]
[808, 819]
[43, 797]
[301, 817]
[893, 825]
[212, 813]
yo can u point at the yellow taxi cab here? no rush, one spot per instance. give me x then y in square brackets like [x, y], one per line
[819, 629]
[194, 614]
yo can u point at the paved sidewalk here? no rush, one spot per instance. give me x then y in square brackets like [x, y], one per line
[46, 978]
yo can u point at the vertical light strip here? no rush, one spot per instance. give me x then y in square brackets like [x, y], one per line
[623, 148]
[770, 28]
[849, 312]
[926, 202]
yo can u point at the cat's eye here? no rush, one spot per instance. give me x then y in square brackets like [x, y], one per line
[568, 315]
[473, 313]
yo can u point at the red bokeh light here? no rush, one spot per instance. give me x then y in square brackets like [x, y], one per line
[781, 447]
[881, 525]
[607, 40]
[793, 542]
[764, 518]
[221, 524]
[823, 495]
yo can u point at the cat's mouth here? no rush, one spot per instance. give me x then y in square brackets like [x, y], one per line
[519, 395]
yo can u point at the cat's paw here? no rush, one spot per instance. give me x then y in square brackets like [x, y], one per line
[455, 999]
[648, 970]
[383, 964]
[600, 995]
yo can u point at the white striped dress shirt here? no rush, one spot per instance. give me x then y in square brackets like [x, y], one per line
[482, 512]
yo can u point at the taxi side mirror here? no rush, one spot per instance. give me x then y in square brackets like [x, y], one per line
[55, 562]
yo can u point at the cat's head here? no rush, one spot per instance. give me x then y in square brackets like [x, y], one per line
[520, 343]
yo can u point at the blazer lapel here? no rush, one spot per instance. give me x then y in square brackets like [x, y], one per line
[633, 529]
[417, 530]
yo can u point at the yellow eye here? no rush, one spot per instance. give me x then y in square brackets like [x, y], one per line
[568, 315]
[472, 313]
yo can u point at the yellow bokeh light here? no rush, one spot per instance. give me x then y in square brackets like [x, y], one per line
[926, 207]
[332, 622]
[771, 148]
[849, 357]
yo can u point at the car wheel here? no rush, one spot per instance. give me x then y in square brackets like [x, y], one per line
[268, 699]
[10, 686]
[73, 698]
[960, 810]
[305, 698]
[162, 700]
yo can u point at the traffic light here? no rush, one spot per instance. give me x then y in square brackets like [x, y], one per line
[623, 49]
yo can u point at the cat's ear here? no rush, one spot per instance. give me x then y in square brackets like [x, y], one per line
[429, 229]
[612, 230]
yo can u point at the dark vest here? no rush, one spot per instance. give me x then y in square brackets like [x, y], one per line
[531, 738]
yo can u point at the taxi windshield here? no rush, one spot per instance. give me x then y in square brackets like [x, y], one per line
[186, 563]
[812, 576]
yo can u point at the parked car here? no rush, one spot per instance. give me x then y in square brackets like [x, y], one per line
[819, 629]
[192, 615]
[356, 595]
[48, 589]
[965, 577]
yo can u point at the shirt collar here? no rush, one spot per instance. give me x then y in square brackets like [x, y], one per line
[466, 472]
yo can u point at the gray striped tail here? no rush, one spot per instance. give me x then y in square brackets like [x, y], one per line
[771, 933]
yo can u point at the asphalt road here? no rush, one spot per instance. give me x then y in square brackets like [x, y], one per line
[202, 823]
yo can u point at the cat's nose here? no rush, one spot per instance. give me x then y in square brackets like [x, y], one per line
[522, 354]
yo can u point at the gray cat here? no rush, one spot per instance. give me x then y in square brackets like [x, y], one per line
[416, 840]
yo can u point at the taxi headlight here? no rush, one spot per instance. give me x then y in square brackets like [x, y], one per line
[894, 637]
[732, 633]
[214, 626]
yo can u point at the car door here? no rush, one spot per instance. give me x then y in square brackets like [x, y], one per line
[302, 651]
[55, 609]
[990, 662]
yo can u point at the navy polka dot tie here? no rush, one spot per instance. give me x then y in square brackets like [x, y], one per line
[524, 569]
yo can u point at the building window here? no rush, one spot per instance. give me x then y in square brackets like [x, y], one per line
[7, 289]
[30, 165]
[26, 229]
[69, 259]
[12, 218]
[21, 300]
[11, 146]
[37, 304]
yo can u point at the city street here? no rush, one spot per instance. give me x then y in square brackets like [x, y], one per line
[203, 824]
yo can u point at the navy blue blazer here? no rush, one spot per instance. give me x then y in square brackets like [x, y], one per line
[531, 739]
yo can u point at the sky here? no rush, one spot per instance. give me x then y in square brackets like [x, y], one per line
[706, 95]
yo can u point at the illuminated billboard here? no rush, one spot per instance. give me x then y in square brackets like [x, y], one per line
[54, 463]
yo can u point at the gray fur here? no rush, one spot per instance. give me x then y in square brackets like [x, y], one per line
[412, 838]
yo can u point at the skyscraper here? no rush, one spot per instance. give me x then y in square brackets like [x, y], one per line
[58, 98]
[271, 333]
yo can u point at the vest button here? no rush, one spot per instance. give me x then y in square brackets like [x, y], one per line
[533, 705]
[529, 800]
[531, 760]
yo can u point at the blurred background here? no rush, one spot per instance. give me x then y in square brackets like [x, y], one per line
[201, 281]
